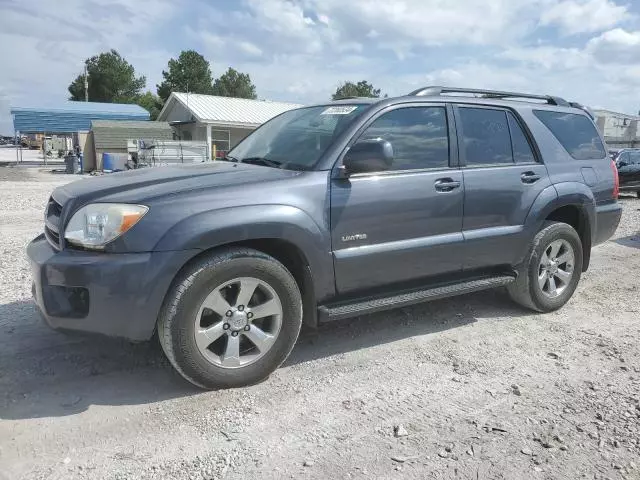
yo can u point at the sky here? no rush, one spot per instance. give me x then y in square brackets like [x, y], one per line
[301, 50]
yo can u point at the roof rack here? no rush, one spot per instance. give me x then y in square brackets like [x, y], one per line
[583, 108]
[435, 91]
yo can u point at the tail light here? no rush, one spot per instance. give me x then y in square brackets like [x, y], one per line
[616, 180]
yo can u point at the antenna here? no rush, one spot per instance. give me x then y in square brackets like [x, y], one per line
[86, 84]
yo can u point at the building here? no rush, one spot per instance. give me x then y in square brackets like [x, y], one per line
[220, 121]
[620, 130]
[72, 119]
[116, 136]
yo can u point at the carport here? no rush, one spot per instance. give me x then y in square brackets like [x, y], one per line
[69, 118]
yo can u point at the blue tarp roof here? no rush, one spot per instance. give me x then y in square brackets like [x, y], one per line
[71, 116]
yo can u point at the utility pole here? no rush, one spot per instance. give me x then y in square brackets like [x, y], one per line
[86, 84]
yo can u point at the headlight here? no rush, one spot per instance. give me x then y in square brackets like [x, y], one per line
[95, 225]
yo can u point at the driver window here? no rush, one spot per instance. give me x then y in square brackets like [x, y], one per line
[419, 137]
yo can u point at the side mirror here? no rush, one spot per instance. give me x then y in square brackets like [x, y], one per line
[368, 156]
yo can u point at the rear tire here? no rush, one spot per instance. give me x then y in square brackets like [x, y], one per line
[551, 270]
[210, 330]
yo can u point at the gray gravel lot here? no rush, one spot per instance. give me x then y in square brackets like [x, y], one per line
[472, 387]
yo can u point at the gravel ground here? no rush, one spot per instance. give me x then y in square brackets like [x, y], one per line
[472, 387]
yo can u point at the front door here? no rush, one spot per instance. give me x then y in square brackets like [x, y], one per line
[502, 179]
[404, 223]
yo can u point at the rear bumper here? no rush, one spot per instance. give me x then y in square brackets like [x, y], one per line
[112, 294]
[607, 220]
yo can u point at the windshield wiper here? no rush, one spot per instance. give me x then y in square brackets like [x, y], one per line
[262, 161]
[228, 158]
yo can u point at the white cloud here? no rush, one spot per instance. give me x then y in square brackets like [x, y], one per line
[430, 22]
[249, 48]
[584, 16]
[45, 45]
[300, 50]
[618, 91]
[548, 57]
[616, 46]
[323, 19]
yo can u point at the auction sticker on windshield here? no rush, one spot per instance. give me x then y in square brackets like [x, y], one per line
[341, 110]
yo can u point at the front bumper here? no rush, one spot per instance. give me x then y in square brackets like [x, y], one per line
[607, 220]
[112, 294]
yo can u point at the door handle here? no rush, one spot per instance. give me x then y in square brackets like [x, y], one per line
[446, 184]
[530, 177]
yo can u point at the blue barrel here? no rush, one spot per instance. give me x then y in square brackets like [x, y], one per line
[108, 161]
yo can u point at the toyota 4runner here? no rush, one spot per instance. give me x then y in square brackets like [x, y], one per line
[327, 212]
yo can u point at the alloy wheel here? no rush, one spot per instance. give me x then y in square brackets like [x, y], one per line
[556, 268]
[238, 322]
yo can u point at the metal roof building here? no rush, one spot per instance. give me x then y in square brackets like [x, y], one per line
[220, 121]
[71, 117]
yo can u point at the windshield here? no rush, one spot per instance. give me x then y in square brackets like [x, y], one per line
[296, 139]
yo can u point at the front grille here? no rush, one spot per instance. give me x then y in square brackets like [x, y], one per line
[52, 222]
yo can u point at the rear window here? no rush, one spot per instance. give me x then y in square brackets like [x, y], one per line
[576, 133]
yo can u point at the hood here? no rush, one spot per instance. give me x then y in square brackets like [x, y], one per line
[137, 186]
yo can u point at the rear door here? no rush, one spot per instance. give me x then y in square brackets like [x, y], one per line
[502, 177]
[404, 223]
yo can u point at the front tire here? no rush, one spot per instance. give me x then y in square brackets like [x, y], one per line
[551, 271]
[230, 319]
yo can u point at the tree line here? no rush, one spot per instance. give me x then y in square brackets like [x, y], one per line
[111, 79]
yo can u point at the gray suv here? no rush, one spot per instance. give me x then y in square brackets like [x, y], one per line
[327, 212]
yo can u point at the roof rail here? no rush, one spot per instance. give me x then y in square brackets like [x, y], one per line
[583, 108]
[435, 91]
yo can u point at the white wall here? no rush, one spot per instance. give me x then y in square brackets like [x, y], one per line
[617, 125]
[178, 113]
[238, 134]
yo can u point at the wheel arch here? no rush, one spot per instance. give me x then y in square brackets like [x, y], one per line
[568, 202]
[288, 254]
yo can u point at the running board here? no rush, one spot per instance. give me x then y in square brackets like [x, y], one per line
[327, 313]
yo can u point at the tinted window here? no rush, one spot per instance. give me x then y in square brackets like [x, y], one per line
[576, 133]
[634, 158]
[419, 136]
[485, 136]
[522, 152]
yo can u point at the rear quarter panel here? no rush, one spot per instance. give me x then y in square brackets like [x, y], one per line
[596, 174]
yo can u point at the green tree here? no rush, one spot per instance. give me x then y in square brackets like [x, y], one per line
[111, 79]
[234, 84]
[189, 73]
[151, 103]
[360, 89]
